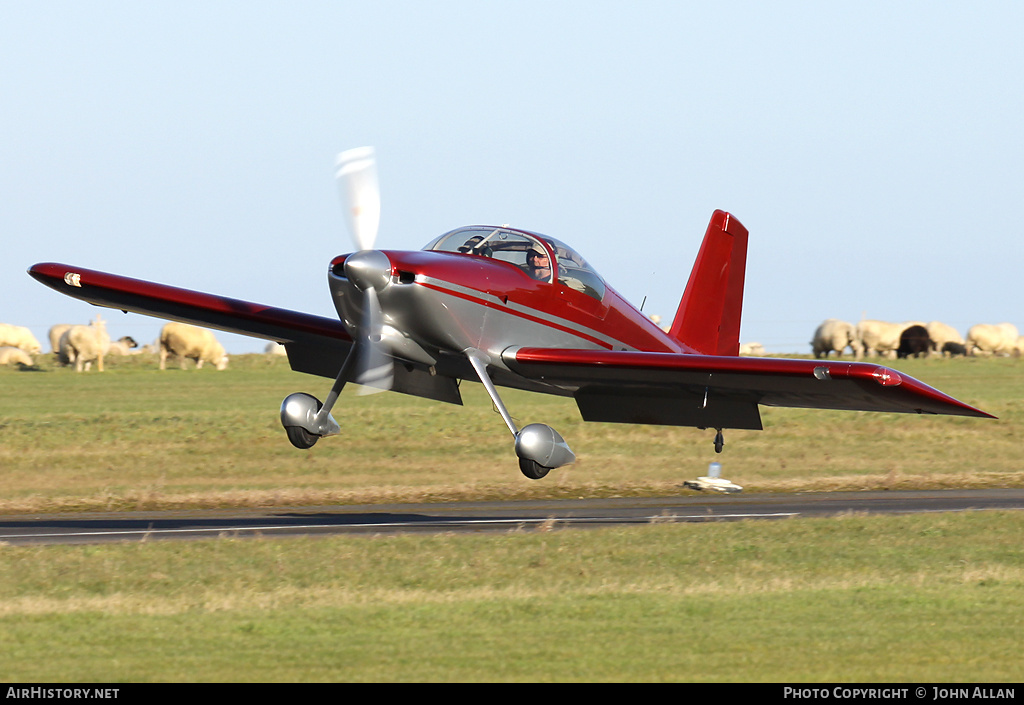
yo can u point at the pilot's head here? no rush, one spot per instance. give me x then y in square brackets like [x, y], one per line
[538, 263]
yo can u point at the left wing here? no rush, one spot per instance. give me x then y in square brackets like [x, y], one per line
[712, 391]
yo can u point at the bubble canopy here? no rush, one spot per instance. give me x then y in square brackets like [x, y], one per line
[519, 248]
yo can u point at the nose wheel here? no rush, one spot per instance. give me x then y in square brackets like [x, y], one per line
[719, 441]
[306, 420]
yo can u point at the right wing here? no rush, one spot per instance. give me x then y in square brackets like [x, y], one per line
[315, 344]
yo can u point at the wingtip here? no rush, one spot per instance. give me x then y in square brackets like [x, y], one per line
[46, 272]
[949, 404]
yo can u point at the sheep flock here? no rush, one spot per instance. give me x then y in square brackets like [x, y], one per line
[870, 338]
[80, 345]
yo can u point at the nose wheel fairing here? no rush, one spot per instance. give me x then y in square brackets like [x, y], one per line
[305, 421]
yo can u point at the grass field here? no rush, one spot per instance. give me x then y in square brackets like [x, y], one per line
[932, 598]
[135, 437]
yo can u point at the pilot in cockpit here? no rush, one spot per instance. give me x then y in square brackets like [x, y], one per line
[537, 264]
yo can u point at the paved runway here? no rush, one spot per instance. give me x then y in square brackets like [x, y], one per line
[483, 516]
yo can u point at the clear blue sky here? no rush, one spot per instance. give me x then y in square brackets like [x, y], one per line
[873, 149]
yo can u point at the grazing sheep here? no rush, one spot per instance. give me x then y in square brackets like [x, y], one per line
[83, 344]
[19, 337]
[122, 346]
[914, 341]
[940, 333]
[273, 348]
[55, 334]
[753, 349]
[988, 339]
[882, 338]
[185, 341]
[14, 356]
[118, 347]
[836, 335]
[954, 349]
[58, 343]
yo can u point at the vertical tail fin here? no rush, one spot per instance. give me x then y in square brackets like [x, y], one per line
[708, 317]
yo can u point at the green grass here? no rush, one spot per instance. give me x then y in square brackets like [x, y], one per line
[934, 598]
[136, 437]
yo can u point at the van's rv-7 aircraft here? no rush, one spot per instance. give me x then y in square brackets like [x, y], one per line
[514, 308]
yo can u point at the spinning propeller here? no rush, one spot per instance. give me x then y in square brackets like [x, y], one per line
[357, 179]
[368, 363]
[368, 269]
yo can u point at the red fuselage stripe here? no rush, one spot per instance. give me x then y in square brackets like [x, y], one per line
[518, 314]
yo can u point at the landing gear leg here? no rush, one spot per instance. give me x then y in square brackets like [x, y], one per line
[538, 446]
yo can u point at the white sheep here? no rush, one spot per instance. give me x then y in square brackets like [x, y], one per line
[13, 356]
[18, 337]
[185, 341]
[59, 343]
[882, 338]
[83, 344]
[55, 334]
[836, 335]
[989, 339]
[941, 334]
[122, 346]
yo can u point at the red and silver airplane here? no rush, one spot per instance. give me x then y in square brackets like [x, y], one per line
[514, 308]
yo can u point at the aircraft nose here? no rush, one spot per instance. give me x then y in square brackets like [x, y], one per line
[368, 269]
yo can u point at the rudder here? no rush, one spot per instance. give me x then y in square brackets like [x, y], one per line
[708, 317]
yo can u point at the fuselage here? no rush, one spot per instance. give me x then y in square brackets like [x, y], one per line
[449, 301]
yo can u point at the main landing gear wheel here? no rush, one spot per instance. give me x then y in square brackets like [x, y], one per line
[532, 469]
[534, 442]
[301, 438]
